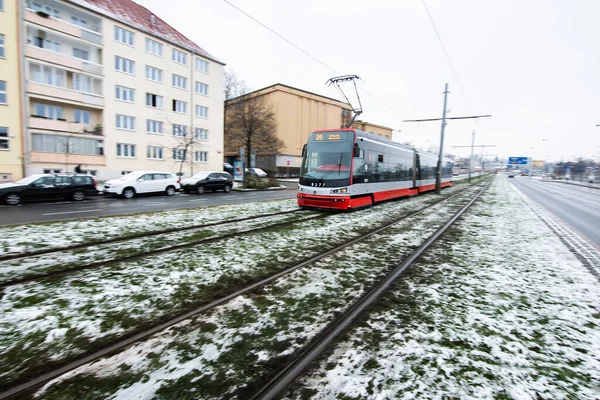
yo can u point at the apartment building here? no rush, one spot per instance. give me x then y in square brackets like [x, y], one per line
[11, 146]
[298, 113]
[112, 87]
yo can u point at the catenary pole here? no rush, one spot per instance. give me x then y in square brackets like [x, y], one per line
[438, 180]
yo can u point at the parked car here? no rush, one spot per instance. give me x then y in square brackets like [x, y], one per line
[256, 172]
[228, 168]
[208, 180]
[48, 187]
[139, 182]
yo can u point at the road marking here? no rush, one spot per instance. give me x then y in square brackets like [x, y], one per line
[198, 200]
[153, 204]
[72, 212]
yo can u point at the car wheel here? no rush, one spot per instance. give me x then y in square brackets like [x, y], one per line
[227, 188]
[78, 195]
[200, 189]
[129, 193]
[170, 191]
[13, 199]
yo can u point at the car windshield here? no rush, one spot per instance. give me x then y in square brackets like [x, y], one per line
[201, 175]
[29, 179]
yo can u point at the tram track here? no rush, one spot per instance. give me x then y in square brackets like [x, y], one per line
[123, 342]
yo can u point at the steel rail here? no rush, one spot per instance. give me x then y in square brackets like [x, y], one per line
[294, 369]
[31, 385]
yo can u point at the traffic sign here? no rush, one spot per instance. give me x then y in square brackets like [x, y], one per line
[517, 160]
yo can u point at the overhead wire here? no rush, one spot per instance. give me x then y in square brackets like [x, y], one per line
[304, 51]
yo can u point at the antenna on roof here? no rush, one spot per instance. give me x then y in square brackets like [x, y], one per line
[336, 80]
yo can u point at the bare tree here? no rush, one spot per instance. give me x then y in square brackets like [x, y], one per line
[250, 123]
[233, 86]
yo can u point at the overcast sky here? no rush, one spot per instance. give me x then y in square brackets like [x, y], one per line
[532, 64]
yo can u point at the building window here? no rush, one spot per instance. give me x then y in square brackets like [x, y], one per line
[66, 144]
[78, 53]
[46, 111]
[179, 57]
[201, 65]
[47, 75]
[124, 94]
[179, 106]
[2, 53]
[179, 130]
[125, 172]
[125, 150]
[52, 171]
[123, 36]
[154, 153]
[79, 21]
[125, 122]
[201, 156]
[179, 154]
[82, 117]
[36, 6]
[154, 74]
[202, 88]
[201, 134]
[154, 100]
[87, 84]
[154, 126]
[2, 92]
[201, 112]
[46, 44]
[124, 65]
[4, 138]
[153, 47]
[179, 82]
[1, 5]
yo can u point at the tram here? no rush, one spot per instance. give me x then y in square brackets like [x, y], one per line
[345, 169]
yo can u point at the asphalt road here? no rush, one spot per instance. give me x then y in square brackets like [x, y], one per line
[577, 206]
[106, 205]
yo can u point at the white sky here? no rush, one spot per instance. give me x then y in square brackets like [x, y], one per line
[532, 64]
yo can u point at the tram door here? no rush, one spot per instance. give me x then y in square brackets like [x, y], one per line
[416, 170]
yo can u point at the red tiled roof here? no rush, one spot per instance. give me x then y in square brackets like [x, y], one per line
[138, 16]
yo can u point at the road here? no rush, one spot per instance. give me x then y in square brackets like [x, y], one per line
[106, 205]
[577, 206]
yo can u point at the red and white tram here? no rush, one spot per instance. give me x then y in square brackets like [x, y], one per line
[347, 168]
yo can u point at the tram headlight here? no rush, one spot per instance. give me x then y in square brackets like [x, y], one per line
[342, 190]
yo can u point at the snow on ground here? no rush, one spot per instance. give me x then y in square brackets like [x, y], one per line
[223, 353]
[31, 237]
[121, 297]
[499, 308]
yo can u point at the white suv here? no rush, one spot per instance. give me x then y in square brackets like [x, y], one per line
[138, 182]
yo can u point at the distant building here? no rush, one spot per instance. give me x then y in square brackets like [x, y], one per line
[298, 113]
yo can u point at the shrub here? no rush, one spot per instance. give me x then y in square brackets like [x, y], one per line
[254, 182]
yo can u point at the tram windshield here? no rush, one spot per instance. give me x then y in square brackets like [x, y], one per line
[328, 159]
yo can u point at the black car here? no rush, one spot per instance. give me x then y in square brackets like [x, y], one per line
[48, 187]
[208, 181]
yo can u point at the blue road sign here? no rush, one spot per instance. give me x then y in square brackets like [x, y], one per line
[517, 160]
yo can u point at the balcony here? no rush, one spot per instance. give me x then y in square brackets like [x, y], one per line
[59, 25]
[47, 124]
[58, 93]
[63, 60]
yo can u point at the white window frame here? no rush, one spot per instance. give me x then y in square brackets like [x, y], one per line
[201, 65]
[3, 91]
[151, 71]
[154, 127]
[58, 77]
[82, 117]
[2, 45]
[179, 130]
[85, 53]
[125, 122]
[201, 88]
[1, 5]
[154, 47]
[179, 82]
[201, 134]
[126, 148]
[179, 154]
[154, 153]
[53, 12]
[179, 57]
[125, 94]
[159, 100]
[48, 111]
[4, 138]
[180, 106]
[78, 21]
[124, 36]
[201, 111]
[82, 82]
[46, 44]
[124, 65]
[198, 156]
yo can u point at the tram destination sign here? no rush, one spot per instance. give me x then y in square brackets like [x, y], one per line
[517, 160]
[331, 136]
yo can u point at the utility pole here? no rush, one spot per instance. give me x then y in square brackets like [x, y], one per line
[472, 146]
[438, 177]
